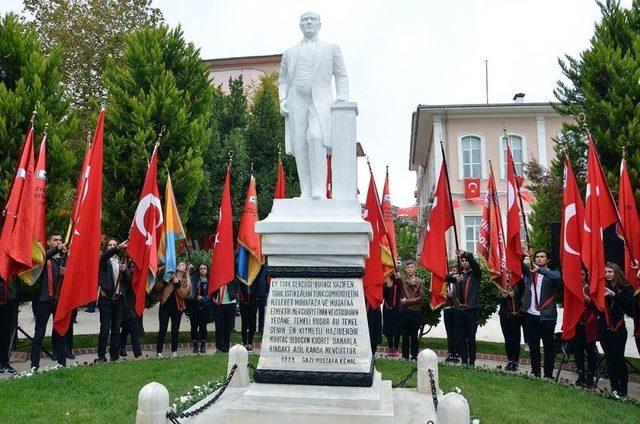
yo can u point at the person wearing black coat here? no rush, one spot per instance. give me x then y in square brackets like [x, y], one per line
[8, 321]
[511, 321]
[448, 315]
[110, 300]
[199, 308]
[130, 323]
[618, 300]
[467, 301]
[224, 309]
[392, 292]
[541, 286]
[50, 286]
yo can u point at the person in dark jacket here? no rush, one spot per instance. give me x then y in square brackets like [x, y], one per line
[8, 321]
[466, 300]
[541, 286]
[224, 300]
[261, 294]
[448, 315]
[584, 342]
[412, 297]
[110, 299]
[199, 307]
[129, 317]
[249, 297]
[391, 292]
[50, 286]
[511, 321]
[618, 300]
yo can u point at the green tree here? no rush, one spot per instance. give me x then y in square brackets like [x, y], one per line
[160, 82]
[87, 34]
[28, 76]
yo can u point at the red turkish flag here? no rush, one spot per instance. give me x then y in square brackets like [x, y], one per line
[434, 248]
[280, 190]
[471, 188]
[571, 231]
[80, 285]
[80, 186]
[599, 213]
[17, 232]
[144, 235]
[630, 223]
[222, 269]
[490, 244]
[514, 243]
[39, 195]
[373, 278]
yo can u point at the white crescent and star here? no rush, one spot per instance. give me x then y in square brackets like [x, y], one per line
[569, 212]
[147, 202]
[435, 203]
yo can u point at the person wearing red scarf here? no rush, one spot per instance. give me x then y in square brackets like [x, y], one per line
[584, 342]
[466, 299]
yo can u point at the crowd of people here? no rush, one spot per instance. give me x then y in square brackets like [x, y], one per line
[183, 292]
[527, 308]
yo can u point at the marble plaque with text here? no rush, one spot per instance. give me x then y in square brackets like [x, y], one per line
[316, 325]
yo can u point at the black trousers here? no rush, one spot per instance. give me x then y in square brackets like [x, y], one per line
[44, 310]
[393, 341]
[537, 330]
[225, 316]
[466, 326]
[110, 321]
[199, 318]
[580, 347]
[8, 317]
[613, 343]
[130, 326]
[448, 315]
[248, 314]
[68, 338]
[374, 321]
[262, 303]
[169, 310]
[510, 326]
[409, 328]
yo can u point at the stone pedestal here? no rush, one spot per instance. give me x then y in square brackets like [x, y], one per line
[315, 329]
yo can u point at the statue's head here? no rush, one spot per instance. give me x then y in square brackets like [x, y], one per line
[310, 24]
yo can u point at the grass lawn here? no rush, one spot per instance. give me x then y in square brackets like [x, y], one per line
[91, 340]
[108, 393]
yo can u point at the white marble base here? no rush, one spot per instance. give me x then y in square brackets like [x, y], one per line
[239, 406]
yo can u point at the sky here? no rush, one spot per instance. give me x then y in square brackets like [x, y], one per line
[402, 53]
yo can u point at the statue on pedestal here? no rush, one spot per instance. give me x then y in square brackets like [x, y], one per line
[306, 97]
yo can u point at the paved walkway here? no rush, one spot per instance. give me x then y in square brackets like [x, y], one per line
[90, 324]
[21, 363]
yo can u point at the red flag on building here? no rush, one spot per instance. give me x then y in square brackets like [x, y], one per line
[388, 242]
[39, 194]
[434, 248]
[599, 213]
[17, 232]
[630, 224]
[571, 231]
[514, 243]
[373, 278]
[222, 262]
[490, 244]
[471, 188]
[144, 235]
[80, 285]
[280, 190]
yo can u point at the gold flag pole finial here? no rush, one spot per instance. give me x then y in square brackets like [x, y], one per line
[230, 154]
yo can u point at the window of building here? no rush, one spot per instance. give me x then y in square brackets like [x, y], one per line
[471, 224]
[518, 150]
[471, 157]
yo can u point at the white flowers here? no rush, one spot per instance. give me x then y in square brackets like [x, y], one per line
[200, 392]
[457, 389]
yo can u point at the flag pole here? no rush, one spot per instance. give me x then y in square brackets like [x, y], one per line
[522, 214]
[453, 218]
